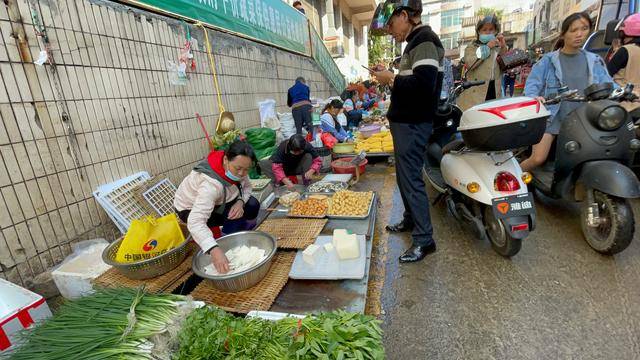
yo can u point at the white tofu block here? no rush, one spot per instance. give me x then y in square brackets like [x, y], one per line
[310, 253]
[328, 247]
[337, 235]
[348, 247]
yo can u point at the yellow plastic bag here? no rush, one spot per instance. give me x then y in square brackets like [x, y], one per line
[150, 237]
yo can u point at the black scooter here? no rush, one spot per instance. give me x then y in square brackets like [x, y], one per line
[590, 164]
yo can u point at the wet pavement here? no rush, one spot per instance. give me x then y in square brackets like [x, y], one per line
[556, 299]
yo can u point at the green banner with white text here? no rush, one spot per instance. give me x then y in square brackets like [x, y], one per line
[270, 21]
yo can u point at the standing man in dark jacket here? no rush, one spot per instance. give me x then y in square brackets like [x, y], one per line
[298, 99]
[414, 100]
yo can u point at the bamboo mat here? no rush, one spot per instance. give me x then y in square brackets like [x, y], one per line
[166, 283]
[293, 233]
[259, 297]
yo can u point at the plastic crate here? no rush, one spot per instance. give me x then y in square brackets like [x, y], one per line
[160, 197]
[119, 201]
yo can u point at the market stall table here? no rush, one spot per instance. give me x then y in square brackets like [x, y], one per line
[304, 296]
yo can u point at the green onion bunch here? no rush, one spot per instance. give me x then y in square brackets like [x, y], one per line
[109, 324]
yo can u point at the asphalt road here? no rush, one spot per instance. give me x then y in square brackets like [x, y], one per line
[556, 299]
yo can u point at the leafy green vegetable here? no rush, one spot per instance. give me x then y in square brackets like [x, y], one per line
[212, 334]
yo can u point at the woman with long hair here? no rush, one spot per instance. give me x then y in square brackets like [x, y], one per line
[568, 65]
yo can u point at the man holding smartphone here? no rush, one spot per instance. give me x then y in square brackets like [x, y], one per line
[414, 100]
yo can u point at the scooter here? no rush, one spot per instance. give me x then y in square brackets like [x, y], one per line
[590, 164]
[478, 176]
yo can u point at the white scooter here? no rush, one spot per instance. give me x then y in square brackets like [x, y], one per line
[478, 176]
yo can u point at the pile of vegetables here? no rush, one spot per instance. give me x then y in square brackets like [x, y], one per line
[222, 141]
[210, 333]
[110, 324]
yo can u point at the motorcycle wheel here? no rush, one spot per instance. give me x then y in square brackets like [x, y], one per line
[501, 241]
[615, 231]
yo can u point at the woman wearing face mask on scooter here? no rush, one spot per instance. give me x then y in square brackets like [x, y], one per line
[481, 56]
[569, 65]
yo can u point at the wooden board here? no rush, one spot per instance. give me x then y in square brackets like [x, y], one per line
[293, 233]
[166, 283]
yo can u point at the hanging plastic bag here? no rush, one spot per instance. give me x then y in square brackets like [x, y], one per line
[150, 237]
[177, 73]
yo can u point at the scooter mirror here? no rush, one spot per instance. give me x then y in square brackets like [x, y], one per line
[610, 33]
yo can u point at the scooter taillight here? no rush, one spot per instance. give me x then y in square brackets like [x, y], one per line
[506, 181]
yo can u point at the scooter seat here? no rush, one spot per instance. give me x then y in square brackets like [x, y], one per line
[455, 145]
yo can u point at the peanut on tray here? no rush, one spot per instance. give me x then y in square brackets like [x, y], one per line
[309, 207]
[350, 203]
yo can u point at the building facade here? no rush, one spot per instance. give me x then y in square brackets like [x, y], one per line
[445, 18]
[344, 26]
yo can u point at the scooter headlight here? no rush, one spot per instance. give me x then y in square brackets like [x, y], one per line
[611, 118]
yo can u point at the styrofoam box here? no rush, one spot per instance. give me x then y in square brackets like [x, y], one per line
[19, 309]
[73, 278]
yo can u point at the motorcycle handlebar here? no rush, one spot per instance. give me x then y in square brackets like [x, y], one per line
[469, 84]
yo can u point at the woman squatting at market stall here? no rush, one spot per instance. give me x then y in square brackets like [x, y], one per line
[218, 192]
[294, 157]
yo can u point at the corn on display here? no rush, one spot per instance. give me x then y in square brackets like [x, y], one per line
[381, 142]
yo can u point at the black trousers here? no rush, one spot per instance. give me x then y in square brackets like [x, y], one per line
[409, 143]
[302, 117]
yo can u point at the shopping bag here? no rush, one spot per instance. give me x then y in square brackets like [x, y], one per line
[150, 237]
[328, 140]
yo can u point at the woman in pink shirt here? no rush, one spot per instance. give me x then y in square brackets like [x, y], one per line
[218, 192]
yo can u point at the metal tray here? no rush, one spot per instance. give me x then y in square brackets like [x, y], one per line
[329, 192]
[360, 217]
[306, 217]
[302, 197]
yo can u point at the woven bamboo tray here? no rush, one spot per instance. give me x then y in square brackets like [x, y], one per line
[166, 283]
[259, 297]
[293, 233]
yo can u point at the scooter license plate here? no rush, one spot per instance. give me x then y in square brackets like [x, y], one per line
[512, 206]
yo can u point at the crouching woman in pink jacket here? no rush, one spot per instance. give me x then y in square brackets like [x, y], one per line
[292, 158]
[217, 192]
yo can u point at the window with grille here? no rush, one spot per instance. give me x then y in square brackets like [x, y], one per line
[450, 41]
[451, 17]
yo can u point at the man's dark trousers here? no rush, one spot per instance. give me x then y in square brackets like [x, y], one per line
[409, 142]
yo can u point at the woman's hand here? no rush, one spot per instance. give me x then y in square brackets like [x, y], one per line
[541, 99]
[385, 77]
[237, 210]
[309, 174]
[501, 41]
[219, 260]
[289, 184]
